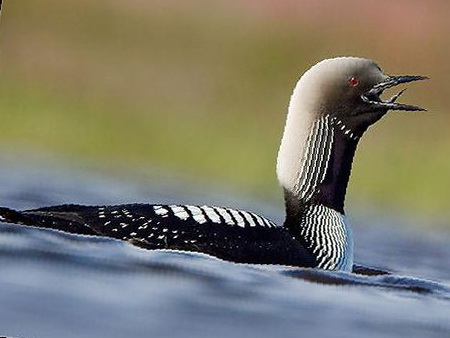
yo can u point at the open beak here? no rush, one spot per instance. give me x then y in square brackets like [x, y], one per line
[372, 96]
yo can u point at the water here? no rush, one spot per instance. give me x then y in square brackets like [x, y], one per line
[60, 285]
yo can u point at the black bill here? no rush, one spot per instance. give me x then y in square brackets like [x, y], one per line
[372, 96]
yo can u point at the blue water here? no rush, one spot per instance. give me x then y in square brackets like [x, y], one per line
[60, 285]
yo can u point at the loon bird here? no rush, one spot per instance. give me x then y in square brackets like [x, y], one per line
[331, 107]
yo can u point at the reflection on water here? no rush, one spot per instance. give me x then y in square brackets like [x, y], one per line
[60, 285]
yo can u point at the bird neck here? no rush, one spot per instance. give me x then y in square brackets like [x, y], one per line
[313, 167]
[330, 191]
[318, 169]
[315, 199]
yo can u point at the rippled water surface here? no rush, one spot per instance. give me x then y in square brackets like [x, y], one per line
[59, 285]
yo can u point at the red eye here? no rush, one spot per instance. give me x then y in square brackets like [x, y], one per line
[353, 81]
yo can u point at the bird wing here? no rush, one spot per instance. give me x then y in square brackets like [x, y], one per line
[226, 233]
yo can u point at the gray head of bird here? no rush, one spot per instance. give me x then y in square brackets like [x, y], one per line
[345, 92]
[349, 88]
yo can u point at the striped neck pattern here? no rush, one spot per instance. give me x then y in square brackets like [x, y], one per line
[328, 237]
[317, 154]
[316, 158]
[314, 204]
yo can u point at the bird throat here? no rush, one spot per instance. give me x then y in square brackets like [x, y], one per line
[315, 199]
[324, 166]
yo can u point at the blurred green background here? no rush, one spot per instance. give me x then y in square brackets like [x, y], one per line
[201, 87]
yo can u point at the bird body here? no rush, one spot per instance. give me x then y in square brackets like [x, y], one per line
[331, 107]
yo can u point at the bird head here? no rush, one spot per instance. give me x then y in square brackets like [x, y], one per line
[343, 95]
[350, 89]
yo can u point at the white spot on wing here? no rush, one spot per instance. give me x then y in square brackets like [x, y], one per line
[267, 222]
[197, 214]
[248, 218]
[159, 210]
[211, 214]
[226, 216]
[240, 221]
[179, 212]
[260, 220]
